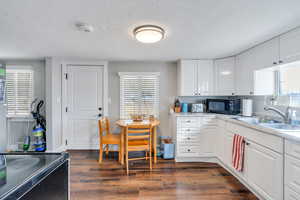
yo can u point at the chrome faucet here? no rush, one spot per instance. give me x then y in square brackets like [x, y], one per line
[286, 116]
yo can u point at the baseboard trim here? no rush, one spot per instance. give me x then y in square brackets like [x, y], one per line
[197, 159]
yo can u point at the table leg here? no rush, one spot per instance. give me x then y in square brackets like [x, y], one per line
[122, 145]
[154, 144]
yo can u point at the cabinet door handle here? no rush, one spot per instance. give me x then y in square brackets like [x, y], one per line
[232, 93]
[188, 129]
[188, 121]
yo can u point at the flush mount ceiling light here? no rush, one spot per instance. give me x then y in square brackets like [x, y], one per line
[149, 33]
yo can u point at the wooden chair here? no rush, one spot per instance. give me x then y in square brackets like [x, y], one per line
[107, 138]
[138, 138]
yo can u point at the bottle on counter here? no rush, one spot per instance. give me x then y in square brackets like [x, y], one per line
[177, 107]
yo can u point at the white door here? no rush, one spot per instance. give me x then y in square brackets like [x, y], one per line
[263, 168]
[84, 104]
[205, 77]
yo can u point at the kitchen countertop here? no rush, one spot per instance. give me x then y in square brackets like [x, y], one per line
[289, 135]
[25, 170]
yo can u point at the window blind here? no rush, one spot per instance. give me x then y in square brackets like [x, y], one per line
[19, 89]
[139, 94]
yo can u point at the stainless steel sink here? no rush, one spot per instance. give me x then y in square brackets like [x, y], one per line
[269, 123]
[258, 120]
[281, 127]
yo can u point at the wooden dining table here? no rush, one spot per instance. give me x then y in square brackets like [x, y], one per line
[124, 123]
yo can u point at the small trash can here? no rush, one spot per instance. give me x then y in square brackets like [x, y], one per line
[167, 148]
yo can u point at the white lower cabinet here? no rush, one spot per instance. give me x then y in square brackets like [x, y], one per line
[195, 137]
[199, 137]
[228, 139]
[264, 171]
[290, 194]
[292, 171]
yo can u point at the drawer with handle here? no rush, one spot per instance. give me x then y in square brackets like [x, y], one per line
[188, 122]
[188, 138]
[188, 130]
[188, 151]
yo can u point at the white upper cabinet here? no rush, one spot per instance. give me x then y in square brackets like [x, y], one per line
[225, 76]
[266, 54]
[290, 46]
[251, 79]
[187, 77]
[244, 73]
[205, 77]
[195, 77]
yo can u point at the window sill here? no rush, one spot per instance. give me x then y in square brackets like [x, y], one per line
[20, 118]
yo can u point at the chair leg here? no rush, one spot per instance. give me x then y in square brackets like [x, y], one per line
[127, 164]
[119, 153]
[150, 155]
[100, 153]
[106, 150]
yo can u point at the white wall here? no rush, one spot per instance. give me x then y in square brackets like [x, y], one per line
[168, 87]
[17, 129]
[53, 103]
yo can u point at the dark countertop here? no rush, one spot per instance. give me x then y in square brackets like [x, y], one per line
[25, 170]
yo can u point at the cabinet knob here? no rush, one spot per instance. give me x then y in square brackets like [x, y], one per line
[280, 61]
[99, 115]
[247, 143]
[188, 150]
[251, 93]
[188, 129]
[188, 121]
[188, 138]
[232, 93]
[274, 63]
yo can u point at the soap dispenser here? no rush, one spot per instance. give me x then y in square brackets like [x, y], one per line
[294, 118]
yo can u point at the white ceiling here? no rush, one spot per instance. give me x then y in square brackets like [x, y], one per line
[195, 28]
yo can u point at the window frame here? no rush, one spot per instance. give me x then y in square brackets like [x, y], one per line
[156, 74]
[19, 67]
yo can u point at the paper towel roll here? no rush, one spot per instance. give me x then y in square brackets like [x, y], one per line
[247, 107]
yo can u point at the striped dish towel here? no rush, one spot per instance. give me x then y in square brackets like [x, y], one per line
[238, 149]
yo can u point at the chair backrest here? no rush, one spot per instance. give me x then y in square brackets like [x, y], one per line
[138, 132]
[104, 128]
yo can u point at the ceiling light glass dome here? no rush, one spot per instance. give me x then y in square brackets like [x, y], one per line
[149, 33]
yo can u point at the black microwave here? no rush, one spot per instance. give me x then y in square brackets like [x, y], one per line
[224, 106]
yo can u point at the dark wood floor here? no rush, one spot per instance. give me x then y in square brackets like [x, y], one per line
[168, 180]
